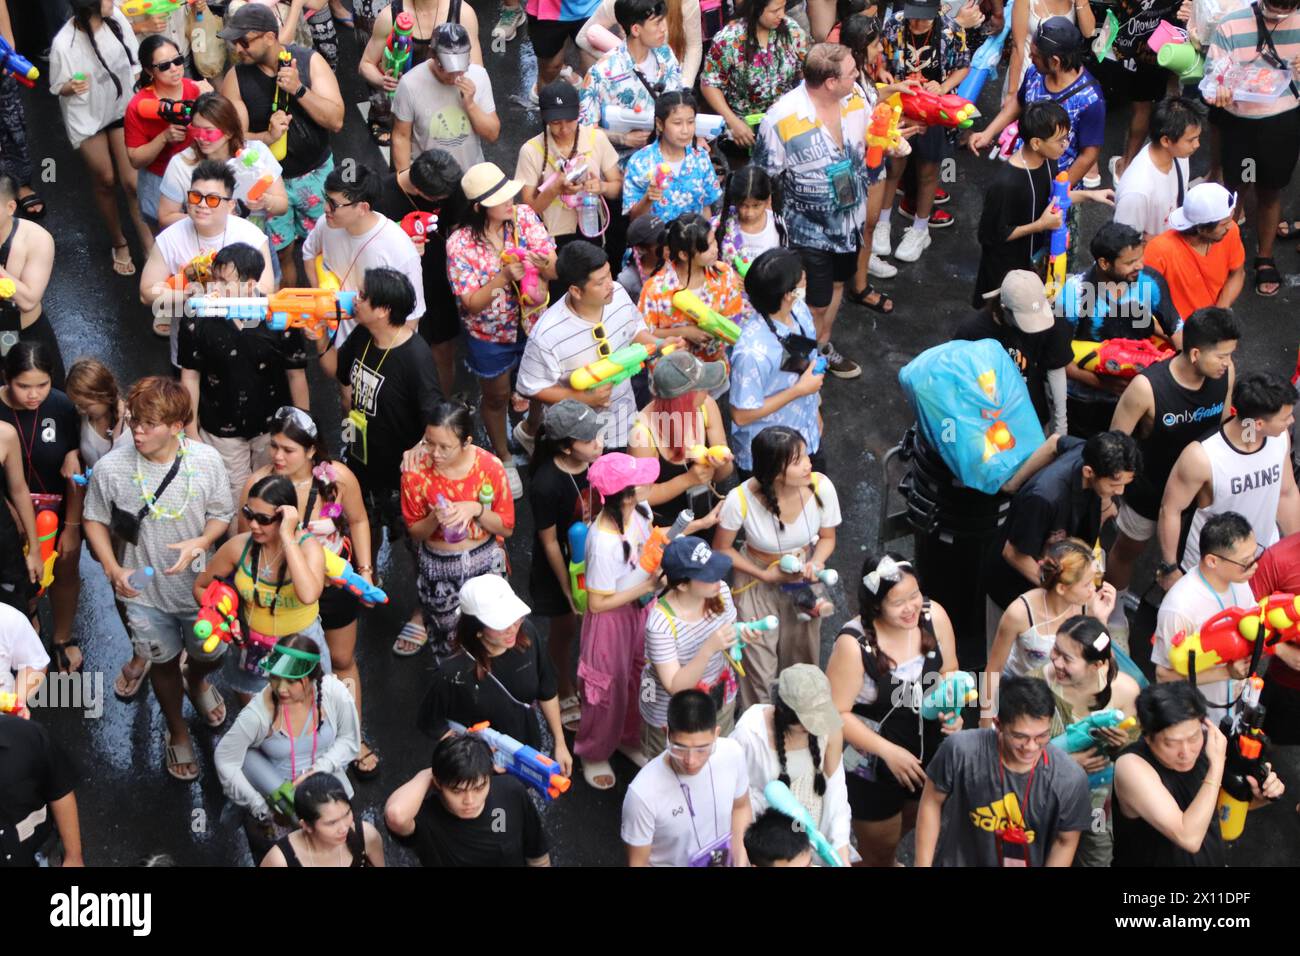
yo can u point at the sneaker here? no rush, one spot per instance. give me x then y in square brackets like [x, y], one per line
[516, 483]
[941, 196]
[1113, 165]
[938, 218]
[570, 75]
[1092, 180]
[525, 441]
[838, 365]
[881, 242]
[881, 269]
[914, 243]
[508, 24]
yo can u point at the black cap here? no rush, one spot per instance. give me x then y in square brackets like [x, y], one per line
[1057, 35]
[250, 18]
[921, 10]
[645, 231]
[559, 101]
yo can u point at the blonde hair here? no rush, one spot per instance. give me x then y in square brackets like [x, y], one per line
[1067, 562]
[90, 382]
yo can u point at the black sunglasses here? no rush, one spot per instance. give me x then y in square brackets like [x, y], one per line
[168, 64]
[256, 517]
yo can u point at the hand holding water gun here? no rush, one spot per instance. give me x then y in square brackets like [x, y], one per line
[578, 565]
[218, 617]
[315, 311]
[325, 279]
[253, 174]
[938, 109]
[955, 691]
[1228, 636]
[652, 555]
[133, 9]
[659, 179]
[176, 112]
[719, 326]
[419, 226]
[519, 760]
[984, 62]
[615, 368]
[737, 638]
[199, 269]
[18, 66]
[1247, 748]
[397, 51]
[531, 289]
[883, 134]
[47, 533]
[339, 571]
[1119, 358]
[1059, 246]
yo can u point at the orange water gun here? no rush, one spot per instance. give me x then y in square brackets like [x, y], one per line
[198, 269]
[883, 134]
[47, 532]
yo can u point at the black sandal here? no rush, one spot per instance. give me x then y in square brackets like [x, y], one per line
[373, 772]
[61, 655]
[884, 303]
[1266, 274]
[380, 134]
[25, 204]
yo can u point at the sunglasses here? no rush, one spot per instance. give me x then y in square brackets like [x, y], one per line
[244, 42]
[206, 134]
[211, 200]
[168, 64]
[256, 517]
[603, 348]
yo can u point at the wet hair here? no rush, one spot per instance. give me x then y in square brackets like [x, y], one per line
[1043, 119]
[1261, 394]
[631, 13]
[1208, 327]
[612, 508]
[461, 761]
[666, 103]
[1172, 117]
[875, 661]
[747, 182]
[435, 172]
[775, 449]
[783, 718]
[90, 380]
[82, 11]
[468, 638]
[773, 275]
[823, 63]
[688, 236]
[316, 792]
[221, 113]
[390, 289]
[752, 11]
[213, 171]
[577, 261]
[1220, 532]
[1024, 697]
[1110, 453]
[357, 182]
[28, 357]
[1160, 706]
[1084, 630]
[159, 399]
[1065, 562]
[1112, 239]
[453, 416]
[288, 427]
[774, 838]
[247, 261]
[299, 641]
[691, 712]
[858, 32]
[148, 47]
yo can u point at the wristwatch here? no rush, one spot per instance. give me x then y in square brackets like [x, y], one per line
[1166, 568]
[302, 91]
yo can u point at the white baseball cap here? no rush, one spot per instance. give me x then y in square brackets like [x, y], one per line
[1204, 203]
[490, 598]
[1024, 300]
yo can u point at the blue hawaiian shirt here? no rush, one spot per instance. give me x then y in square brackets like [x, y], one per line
[756, 374]
[1082, 100]
[613, 82]
[690, 189]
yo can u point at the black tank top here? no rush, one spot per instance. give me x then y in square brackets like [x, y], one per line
[1138, 843]
[11, 317]
[1182, 416]
[421, 49]
[309, 142]
[356, 836]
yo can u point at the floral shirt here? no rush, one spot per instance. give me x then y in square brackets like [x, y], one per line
[689, 189]
[421, 488]
[613, 81]
[752, 85]
[941, 52]
[721, 293]
[472, 264]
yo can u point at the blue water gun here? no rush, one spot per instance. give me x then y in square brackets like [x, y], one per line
[984, 63]
[340, 571]
[779, 798]
[84, 479]
[1060, 243]
[520, 760]
[1079, 737]
[16, 65]
[950, 695]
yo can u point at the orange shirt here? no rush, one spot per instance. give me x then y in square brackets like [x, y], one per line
[1195, 280]
[721, 293]
[420, 490]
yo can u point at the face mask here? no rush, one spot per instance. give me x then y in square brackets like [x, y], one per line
[801, 293]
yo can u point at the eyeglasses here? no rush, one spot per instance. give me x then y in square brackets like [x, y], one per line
[333, 204]
[1022, 739]
[1259, 552]
[168, 64]
[256, 517]
[211, 200]
[603, 348]
[681, 750]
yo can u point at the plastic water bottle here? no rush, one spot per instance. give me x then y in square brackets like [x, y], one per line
[684, 517]
[451, 534]
[589, 216]
[486, 495]
[140, 578]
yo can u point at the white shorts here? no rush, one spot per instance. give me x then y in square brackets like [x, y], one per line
[1134, 525]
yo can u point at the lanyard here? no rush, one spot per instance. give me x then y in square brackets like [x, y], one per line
[27, 444]
[1023, 826]
[293, 744]
[686, 792]
[1213, 593]
[343, 280]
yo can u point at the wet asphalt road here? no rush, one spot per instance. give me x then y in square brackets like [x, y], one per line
[130, 807]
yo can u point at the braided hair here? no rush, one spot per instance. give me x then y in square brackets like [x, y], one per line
[775, 449]
[783, 718]
[82, 11]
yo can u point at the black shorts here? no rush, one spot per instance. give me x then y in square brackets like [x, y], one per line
[872, 801]
[119, 123]
[440, 322]
[1146, 84]
[548, 36]
[823, 270]
[1266, 147]
[932, 146]
[338, 608]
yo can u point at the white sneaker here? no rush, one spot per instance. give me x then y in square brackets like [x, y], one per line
[881, 244]
[508, 24]
[1092, 180]
[516, 483]
[914, 243]
[881, 269]
[1113, 166]
[526, 441]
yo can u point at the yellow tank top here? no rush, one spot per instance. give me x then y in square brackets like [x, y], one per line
[275, 614]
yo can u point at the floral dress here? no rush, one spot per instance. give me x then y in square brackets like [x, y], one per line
[472, 263]
[753, 85]
[689, 189]
[721, 293]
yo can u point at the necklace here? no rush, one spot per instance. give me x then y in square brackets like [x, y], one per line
[311, 847]
[149, 498]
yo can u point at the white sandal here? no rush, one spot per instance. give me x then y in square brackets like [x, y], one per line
[591, 769]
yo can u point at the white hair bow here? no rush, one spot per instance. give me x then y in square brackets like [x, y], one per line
[887, 569]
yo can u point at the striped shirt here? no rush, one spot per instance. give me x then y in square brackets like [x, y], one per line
[562, 342]
[1236, 39]
[670, 638]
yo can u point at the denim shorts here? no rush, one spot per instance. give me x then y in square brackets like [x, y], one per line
[148, 188]
[159, 636]
[490, 359]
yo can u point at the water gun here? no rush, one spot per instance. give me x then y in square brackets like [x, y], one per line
[615, 368]
[312, 310]
[340, 571]
[753, 119]
[47, 531]
[950, 695]
[709, 126]
[1246, 748]
[1006, 143]
[1228, 636]
[1078, 737]
[719, 326]
[984, 62]
[578, 565]
[532, 291]
[16, 65]
[10, 703]
[176, 112]
[198, 270]
[882, 133]
[253, 176]
[741, 263]
[769, 623]
[280, 148]
[397, 52]
[218, 618]
[519, 760]
[1121, 358]
[82, 480]
[7, 288]
[652, 555]
[715, 454]
[419, 226]
[281, 801]
[793, 564]
[934, 109]
[663, 172]
[779, 798]
[132, 9]
[324, 278]
[1060, 242]
[624, 119]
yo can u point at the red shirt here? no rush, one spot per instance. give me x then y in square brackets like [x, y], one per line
[140, 130]
[420, 490]
[1279, 573]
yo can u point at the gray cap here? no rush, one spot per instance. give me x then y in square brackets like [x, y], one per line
[250, 18]
[807, 691]
[644, 231]
[921, 10]
[680, 372]
[570, 418]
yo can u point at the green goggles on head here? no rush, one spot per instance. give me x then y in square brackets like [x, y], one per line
[288, 663]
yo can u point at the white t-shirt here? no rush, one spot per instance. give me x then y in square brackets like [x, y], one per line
[1145, 196]
[349, 256]
[561, 342]
[658, 814]
[766, 238]
[86, 114]
[180, 171]
[608, 571]
[1186, 606]
[436, 115]
[744, 508]
[19, 647]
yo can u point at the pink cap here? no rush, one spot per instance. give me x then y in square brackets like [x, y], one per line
[610, 474]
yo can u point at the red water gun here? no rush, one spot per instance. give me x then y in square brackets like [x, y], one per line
[1231, 634]
[1121, 358]
[419, 225]
[218, 618]
[934, 109]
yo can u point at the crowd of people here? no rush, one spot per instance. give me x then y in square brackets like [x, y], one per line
[647, 305]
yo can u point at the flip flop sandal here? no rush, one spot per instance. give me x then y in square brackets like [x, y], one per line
[123, 267]
[26, 203]
[61, 655]
[178, 755]
[591, 769]
[570, 712]
[380, 134]
[412, 634]
[355, 766]
[130, 690]
[1288, 229]
[209, 700]
[1266, 274]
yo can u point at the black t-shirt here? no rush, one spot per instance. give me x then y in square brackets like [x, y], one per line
[1035, 355]
[1138, 19]
[507, 833]
[1053, 504]
[46, 436]
[396, 205]
[34, 772]
[242, 374]
[524, 674]
[555, 498]
[1016, 197]
[397, 390]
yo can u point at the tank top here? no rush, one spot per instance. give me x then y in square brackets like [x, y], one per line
[11, 317]
[1249, 483]
[421, 49]
[357, 837]
[1138, 843]
[309, 144]
[1031, 649]
[271, 607]
[1182, 416]
[667, 512]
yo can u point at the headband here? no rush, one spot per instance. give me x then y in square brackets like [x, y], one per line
[887, 569]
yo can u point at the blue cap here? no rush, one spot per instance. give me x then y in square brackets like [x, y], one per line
[691, 558]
